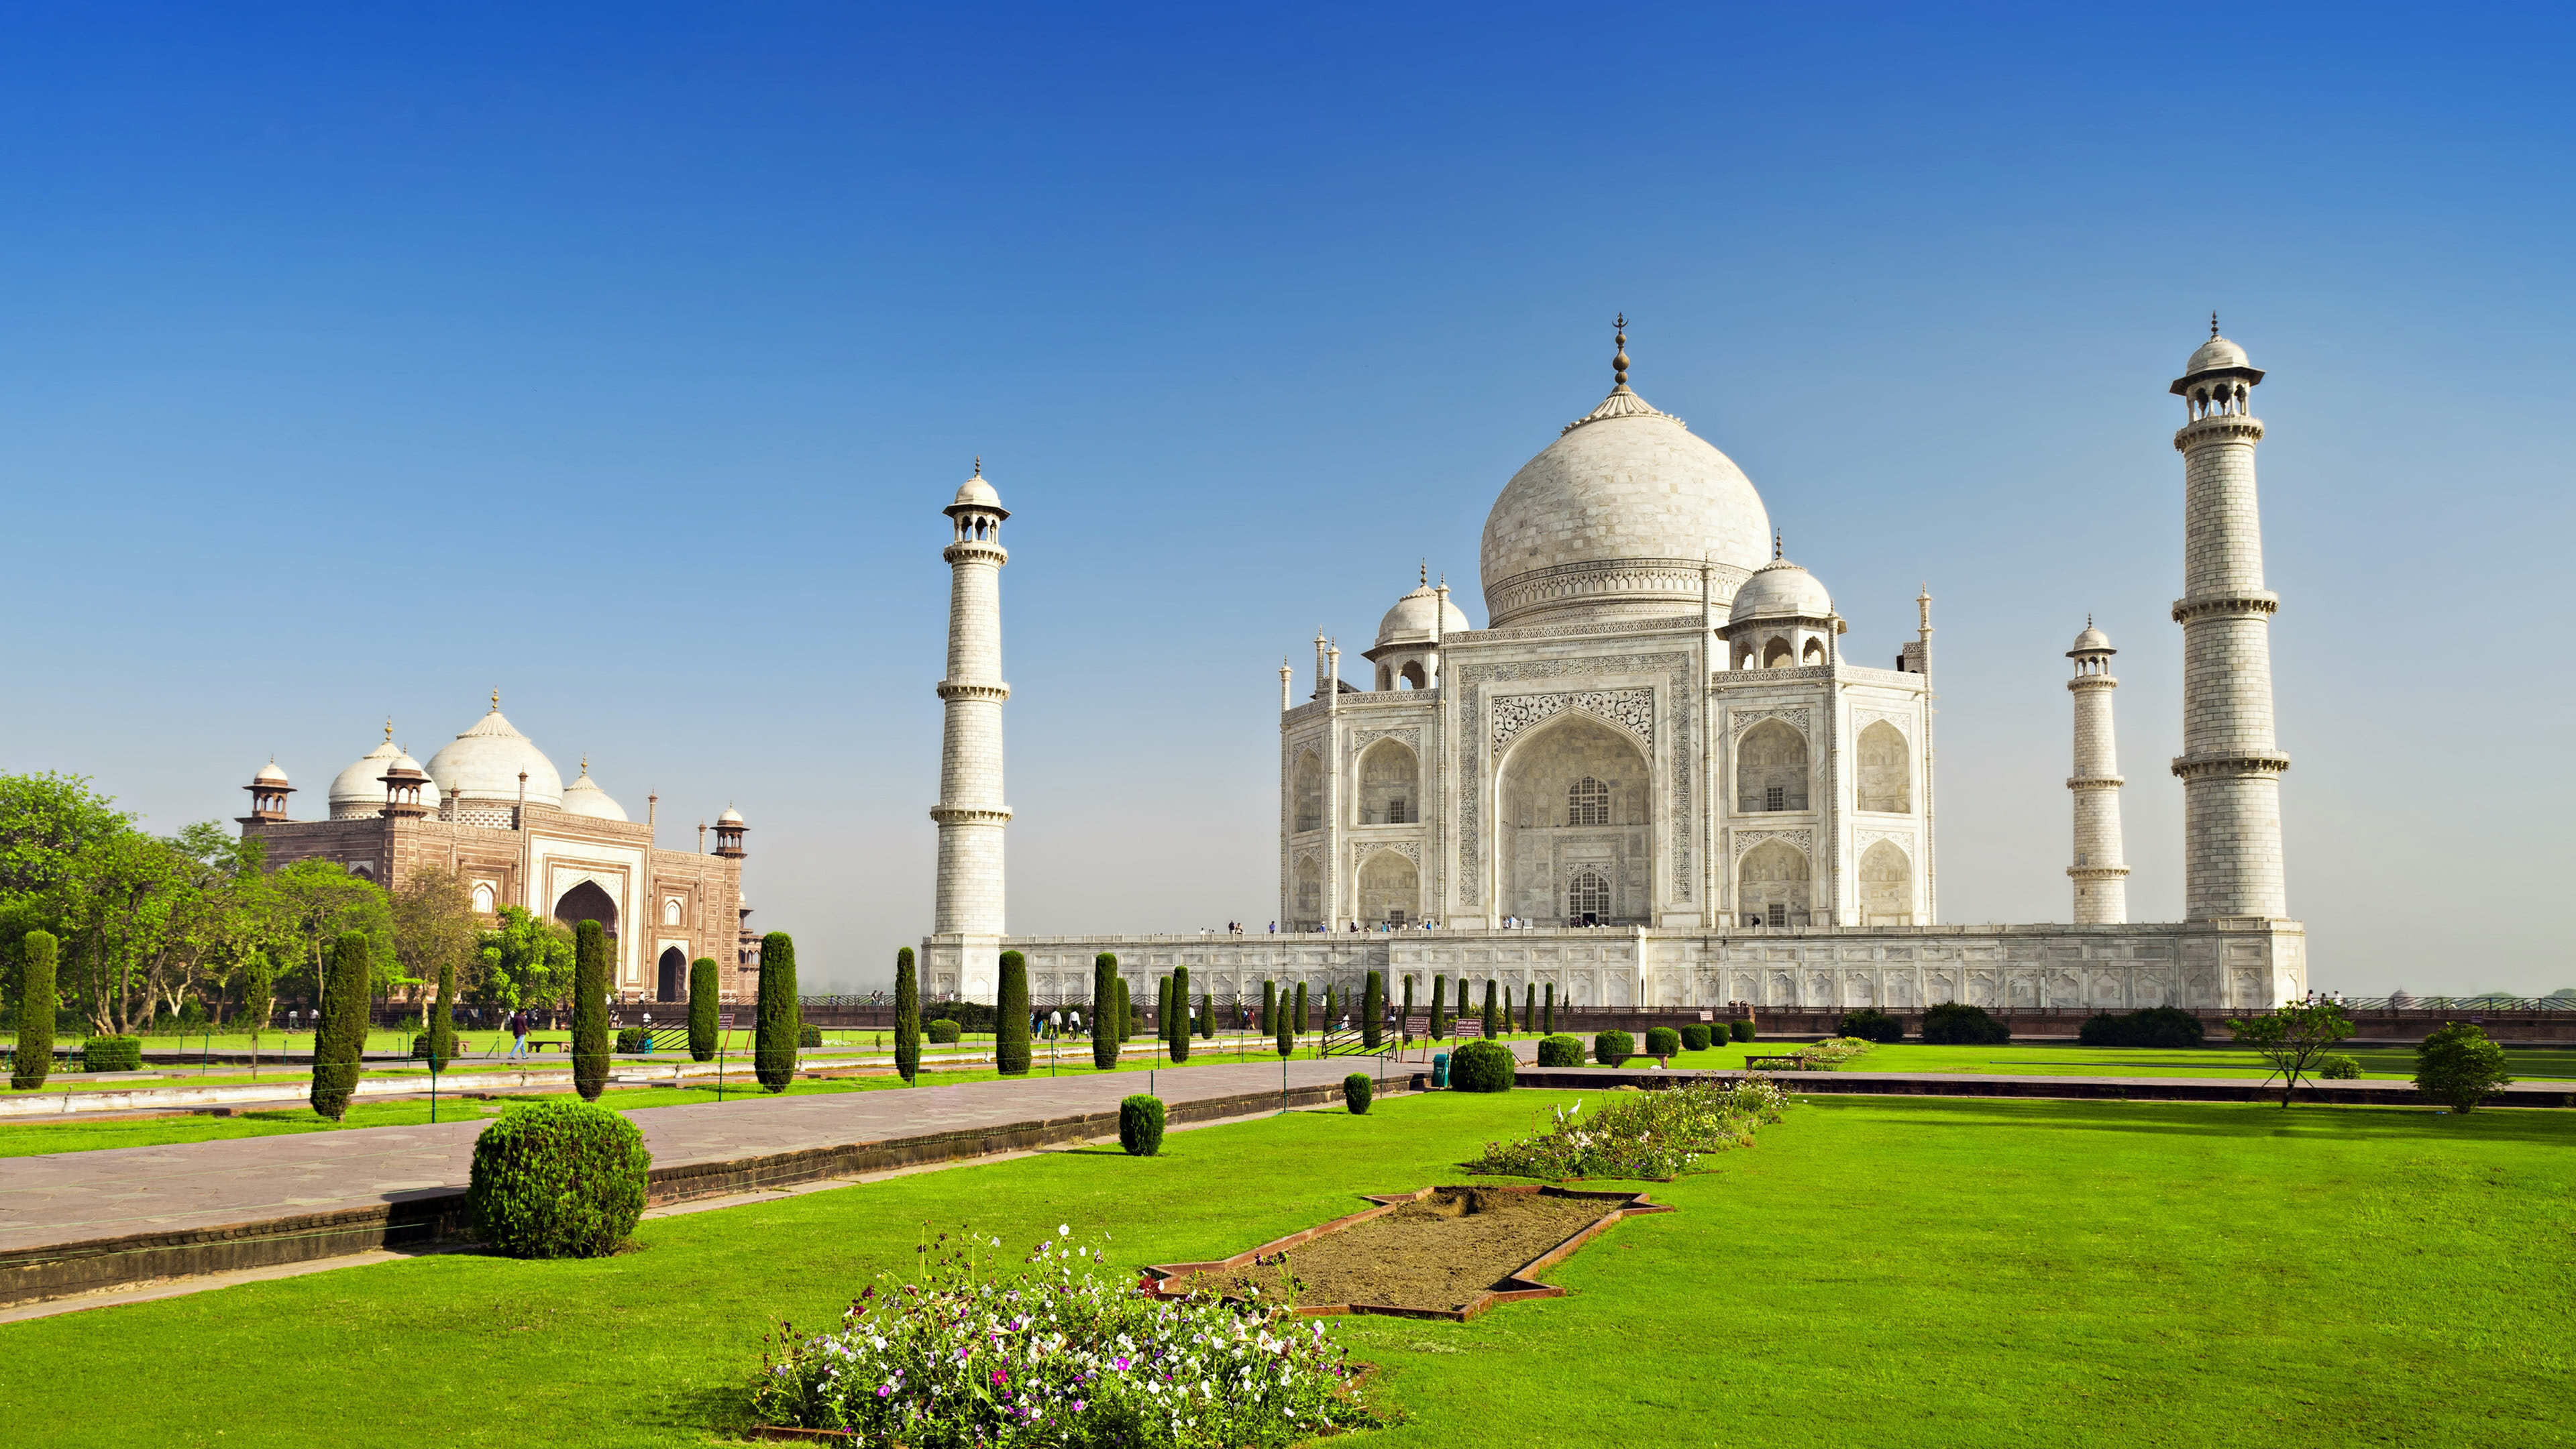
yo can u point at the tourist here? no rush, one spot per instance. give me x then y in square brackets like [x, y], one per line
[1274, 928]
[519, 1033]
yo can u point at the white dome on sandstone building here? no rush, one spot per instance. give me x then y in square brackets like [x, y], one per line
[484, 762]
[1614, 518]
[358, 792]
[584, 797]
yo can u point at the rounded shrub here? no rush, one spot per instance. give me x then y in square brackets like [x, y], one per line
[1739, 1031]
[1871, 1024]
[1560, 1051]
[942, 1031]
[2336, 1067]
[1695, 1038]
[1663, 1041]
[558, 1180]
[1611, 1048]
[2156, 1026]
[1140, 1125]
[112, 1054]
[2458, 1066]
[1482, 1066]
[1357, 1092]
[808, 1034]
[1955, 1024]
[630, 1040]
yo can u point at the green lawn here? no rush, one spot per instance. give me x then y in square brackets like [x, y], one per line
[2032, 1059]
[1873, 1273]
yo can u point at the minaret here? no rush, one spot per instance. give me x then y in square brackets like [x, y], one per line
[968, 916]
[2101, 868]
[2230, 768]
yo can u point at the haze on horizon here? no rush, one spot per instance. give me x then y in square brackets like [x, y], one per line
[359, 364]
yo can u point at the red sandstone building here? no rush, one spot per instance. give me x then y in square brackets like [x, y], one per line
[491, 807]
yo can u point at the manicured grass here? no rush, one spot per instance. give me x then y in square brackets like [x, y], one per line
[2033, 1059]
[1874, 1272]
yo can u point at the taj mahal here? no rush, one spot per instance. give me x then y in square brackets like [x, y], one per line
[1662, 775]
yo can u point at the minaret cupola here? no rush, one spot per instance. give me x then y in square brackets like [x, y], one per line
[268, 791]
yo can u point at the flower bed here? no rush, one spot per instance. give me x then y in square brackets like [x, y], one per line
[1646, 1136]
[1833, 1052]
[1062, 1352]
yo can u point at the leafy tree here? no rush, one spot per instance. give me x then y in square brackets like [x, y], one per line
[590, 1010]
[1011, 1017]
[1104, 1011]
[1408, 1004]
[1286, 1032]
[340, 1038]
[2458, 1066]
[907, 1016]
[34, 1059]
[1163, 1007]
[1179, 1020]
[2291, 1038]
[437, 935]
[524, 961]
[258, 1000]
[705, 1001]
[773, 1048]
[1373, 1012]
[312, 903]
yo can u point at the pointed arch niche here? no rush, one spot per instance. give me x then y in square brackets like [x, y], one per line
[1390, 790]
[1574, 796]
[1390, 889]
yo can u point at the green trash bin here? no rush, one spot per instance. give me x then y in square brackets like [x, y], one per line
[1440, 1069]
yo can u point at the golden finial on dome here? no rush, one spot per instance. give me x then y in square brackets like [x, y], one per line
[496, 701]
[1426, 573]
[1776, 552]
[1619, 361]
[389, 729]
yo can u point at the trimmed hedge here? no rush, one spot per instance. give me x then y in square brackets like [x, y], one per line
[1529, 1008]
[1613, 1048]
[1663, 1042]
[703, 999]
[1871, 1024]
[1104, 1011]
[1297, 1017]
[590, 1009]
[630, 1040]
[2336, 1067]
[942, 1031]
[1011, 1017]
[2156, 1026]
[1269, 1008]
[1739, 1031]
[558, 1180]
[1140, 1125]
[1481, 1066]
[1357, 1092]
[1207, 1016]
[773, 1048]
[1695, 1037]
[341, 1035]
[1954, 1024]
[112, 1054]
[807, 1034]
[1560, 1051]
[37, 1002]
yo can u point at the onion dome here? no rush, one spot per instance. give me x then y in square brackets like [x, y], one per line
[730, 816]
[2091, 641]
[1614, 519]
[1414, 616]
[484, 763]
[2216, 353]
[977, 494]
[1781, 590]
[269, 774]
[584, 797]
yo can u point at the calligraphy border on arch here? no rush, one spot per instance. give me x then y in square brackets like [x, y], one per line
[1473, 755]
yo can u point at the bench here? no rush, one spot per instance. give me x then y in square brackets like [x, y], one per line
[1792, 1063]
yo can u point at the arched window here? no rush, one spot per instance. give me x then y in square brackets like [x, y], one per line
[1885, 781]
[1886, 886]
[1776, 655]
[671, 910]
[1390, 888]
[1413, 676]
[1771, 768]
[1587, 802]
[1307, 789]
[1587, 898]
[1308, 890]
[1388, 789]
[483, 897]
[1771, 885]
[1815, 653]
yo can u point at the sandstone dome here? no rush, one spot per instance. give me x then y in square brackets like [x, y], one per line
[1413, 616]
[484, 763]
[1613, 519]
[1781, 590]
[358, 792]
[584, 797]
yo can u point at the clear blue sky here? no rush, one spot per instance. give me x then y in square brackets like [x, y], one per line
[358, 361]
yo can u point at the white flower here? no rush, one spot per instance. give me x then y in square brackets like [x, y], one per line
[1063, 1229]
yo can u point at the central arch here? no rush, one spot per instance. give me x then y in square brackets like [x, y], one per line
[587, 902]
[1575, 795]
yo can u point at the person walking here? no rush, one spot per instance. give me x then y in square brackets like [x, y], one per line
[518, 1033]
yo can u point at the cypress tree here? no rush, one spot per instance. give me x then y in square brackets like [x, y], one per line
[1180, 1017]
[590, 1010]
[1011, 1018]
[703, 995]
[773, 1046]
[1269, 1008]
[1373, 1011]
[1297, 1024]
[1287, 1038]
[1408, 1006]
[1547, 1023]
[442, 1019]
[1104, 1012]
[907, 1016]
[34, 1061]
[1126, 1014]
[1163, 1008]
[340, 1038]
[1493, 1018]
[1529, 1008]
[1207, 1015]
[1439, 1008]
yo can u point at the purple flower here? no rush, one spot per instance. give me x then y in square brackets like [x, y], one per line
[1079, 1406]
[883, 1390]
[1119, 1364]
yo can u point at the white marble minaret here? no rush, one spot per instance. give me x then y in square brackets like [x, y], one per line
[2230, 766]
[967, 920]
[2101, 868]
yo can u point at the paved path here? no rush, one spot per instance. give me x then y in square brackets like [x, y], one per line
[74, 1196]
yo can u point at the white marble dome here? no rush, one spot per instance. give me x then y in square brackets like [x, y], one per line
[1411, 620]
[976, 493]
[2216, 353]
[1614, 518]
[584, 797]
[2091, 641]
[484, 763]
[1781, 590]
[731, 816]
[269, 774]
[358, 792]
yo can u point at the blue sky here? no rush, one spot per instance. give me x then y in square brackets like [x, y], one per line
[356, 363]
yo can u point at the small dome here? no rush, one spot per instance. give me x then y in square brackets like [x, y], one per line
[584, 797]
[976, 493]
[359, 791]
[730, 816]
[269, 774]
[2092, 641]
[1410, 621]
[1780, 590]
[484, 763]
[2216, 353]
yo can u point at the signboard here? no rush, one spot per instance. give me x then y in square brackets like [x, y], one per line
[1417, 1026]
[724, 1021]
[1468, 1026]
[1708, 1016]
